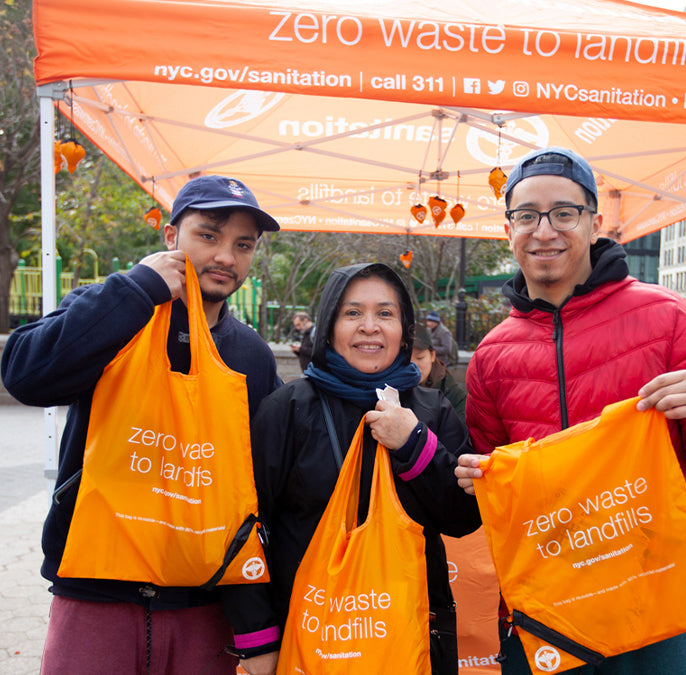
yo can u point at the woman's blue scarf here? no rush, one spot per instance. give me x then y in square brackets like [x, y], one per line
[344, 381]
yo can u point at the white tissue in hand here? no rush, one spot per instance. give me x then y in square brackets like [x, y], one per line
[389, 394]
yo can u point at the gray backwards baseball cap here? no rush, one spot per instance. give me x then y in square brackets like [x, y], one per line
[216, 192]
[578, 170]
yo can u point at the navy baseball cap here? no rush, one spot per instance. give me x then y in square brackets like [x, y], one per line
[578, 169]
[216, 192]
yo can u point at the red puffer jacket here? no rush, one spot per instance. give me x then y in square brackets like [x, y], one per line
[545, 368]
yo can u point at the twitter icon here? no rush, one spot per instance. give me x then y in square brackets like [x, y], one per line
[496, 87]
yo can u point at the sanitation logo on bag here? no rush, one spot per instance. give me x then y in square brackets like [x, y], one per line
[547, 659]
[253, 568]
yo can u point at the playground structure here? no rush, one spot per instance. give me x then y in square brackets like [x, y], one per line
[26, 292]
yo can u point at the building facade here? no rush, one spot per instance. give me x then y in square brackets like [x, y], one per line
[643, 257]
[672, 269]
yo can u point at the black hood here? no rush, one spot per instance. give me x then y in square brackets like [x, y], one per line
[331, 297]
[608, 264]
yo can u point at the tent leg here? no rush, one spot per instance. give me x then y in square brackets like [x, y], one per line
[49, 252]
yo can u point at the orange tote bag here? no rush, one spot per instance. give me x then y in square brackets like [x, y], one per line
[587, 532]
[360, 599]
[167, 493]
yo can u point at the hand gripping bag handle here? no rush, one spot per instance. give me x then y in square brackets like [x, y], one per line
[198, 330]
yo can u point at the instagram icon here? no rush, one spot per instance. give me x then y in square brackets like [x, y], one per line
[520, 88]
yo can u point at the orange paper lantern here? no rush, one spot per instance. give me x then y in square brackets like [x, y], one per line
[437, 205]
[60, 162]
[153, 217]
[419, 212]
[73, 152]
[406, 259]
[457, 213]
[497, 180]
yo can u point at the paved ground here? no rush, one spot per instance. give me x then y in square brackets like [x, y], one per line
[24, 598]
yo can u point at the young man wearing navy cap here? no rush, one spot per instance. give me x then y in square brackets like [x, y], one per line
[121, 626]
[582, 334]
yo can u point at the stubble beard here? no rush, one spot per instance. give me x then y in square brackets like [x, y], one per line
[218, 295]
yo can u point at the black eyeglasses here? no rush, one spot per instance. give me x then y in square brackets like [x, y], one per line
[561, 218]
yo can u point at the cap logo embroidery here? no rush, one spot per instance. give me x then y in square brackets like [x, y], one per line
[236, 189]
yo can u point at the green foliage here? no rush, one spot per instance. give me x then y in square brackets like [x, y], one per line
[19, 138]
[294, 267]
[493, 302]
[100, 208]
[97, 207]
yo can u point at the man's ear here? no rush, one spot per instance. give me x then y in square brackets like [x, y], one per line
[596, 226]
[170, 236]
[509, 233]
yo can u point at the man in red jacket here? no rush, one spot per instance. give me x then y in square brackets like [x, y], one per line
[582, 334]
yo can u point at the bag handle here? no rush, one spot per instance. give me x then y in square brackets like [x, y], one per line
[556, 639]
[333, 436]
[383, 499]
[197, 322]
[354, 489]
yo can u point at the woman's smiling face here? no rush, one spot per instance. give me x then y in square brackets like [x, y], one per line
[367, 331]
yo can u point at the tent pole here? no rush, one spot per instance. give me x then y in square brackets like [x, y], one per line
[461, 318]
[48, 255]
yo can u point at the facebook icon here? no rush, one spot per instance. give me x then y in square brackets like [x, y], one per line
[472, 85]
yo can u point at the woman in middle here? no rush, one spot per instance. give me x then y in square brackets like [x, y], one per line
[363, 342]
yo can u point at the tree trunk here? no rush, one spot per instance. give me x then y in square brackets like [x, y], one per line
[8, 263]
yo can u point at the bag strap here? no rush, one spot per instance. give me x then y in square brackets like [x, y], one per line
[556, 639]
[236, 545]
[198, 329]
[333, 436]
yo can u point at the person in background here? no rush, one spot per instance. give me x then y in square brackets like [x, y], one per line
[434, 373]
[363, 342]
[99, 625]
[303, 324]
[441, 338]
[582, 334]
